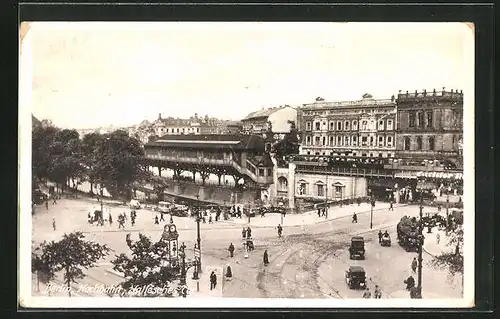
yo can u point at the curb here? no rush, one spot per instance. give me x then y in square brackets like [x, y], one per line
[375, 228]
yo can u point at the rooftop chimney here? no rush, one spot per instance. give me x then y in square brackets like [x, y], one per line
[159, 116]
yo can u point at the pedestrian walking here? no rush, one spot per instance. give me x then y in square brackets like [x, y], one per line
[243, 233]
[249, 232]
[54, 223]
[213, 280]
[378, 292]
[391, 207]
[210, 219]
[438, 238]
[380, 236]
[128, 240]
[110, 219]
[410, 282]
[162, 219]
[132, 221]
[354, 218]
[280, 230]
[156, 220]
[367, 294]
[47, 204]
[319, 212]
[54, 199]
[266, 258]
[439, 208]
[231, 250]
[324, 211]
[414, 264]
[229, 273]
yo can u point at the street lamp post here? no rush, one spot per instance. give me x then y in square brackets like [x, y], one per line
[371, 209]
[418, 291]
[182, 254]
[326, 197]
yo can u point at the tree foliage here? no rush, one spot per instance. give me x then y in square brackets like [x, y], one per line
[289, 145]
[452, 260]
[71, 255]
[147, 266]
[113, 160]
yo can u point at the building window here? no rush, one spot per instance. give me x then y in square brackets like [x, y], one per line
[389, 141]
[389, 154]
[261, 172]
[316, 140]
[412, 119]
[364, 124]
[324, 140]
[372, 141]
[177, 130]
[381, 125]
[354, 140]
[354, 125]
[321, 190]
[308, 126]
[346, 140]
[406, 142]
[419, 143]
[339, 126]
[380, 141]
[331, 140]
[302, 188]
[389, 125]
[317, 124]
[421, 119]
[332, 126]
[339, 140]
[364, 140]
[308, 140]
[379, 154]
[346, 125]
[363, 154]
[429, 119]
[431, 143]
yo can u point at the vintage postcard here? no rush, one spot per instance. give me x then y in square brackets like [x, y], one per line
[282, 165]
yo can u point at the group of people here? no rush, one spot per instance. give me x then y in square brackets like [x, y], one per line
[377, 294]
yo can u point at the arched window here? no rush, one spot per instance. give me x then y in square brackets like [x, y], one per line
[354, 125]
[346, 125]
[282, 184]
[406, 142]
[339, 126]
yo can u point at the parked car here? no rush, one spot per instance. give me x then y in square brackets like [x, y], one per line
[39, 196]
[179, 210]
[357, 248]
[164, 207]
[134, 204]
[355, 277]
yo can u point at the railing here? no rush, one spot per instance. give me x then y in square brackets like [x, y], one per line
[345, 171]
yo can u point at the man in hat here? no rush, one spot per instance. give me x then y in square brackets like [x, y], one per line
[231, 250]
[213, 280]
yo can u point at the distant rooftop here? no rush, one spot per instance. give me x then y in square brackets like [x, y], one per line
[264, 113]
[367, 100]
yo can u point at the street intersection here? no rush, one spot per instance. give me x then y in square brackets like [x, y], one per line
[309, 261]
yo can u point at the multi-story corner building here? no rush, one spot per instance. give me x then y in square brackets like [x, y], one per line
[430, 125]
[279, 117]
[357, 128]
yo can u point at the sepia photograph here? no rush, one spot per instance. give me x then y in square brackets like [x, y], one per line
[246, 165]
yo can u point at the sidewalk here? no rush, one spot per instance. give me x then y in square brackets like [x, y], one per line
[204, 283]
[431, 245]
[309, 217]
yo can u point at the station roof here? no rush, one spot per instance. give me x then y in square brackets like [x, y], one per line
[210, 141]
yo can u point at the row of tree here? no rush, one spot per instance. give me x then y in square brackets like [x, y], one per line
[114, 160]
[146, 266]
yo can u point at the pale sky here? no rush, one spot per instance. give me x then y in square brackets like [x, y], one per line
[87, 75]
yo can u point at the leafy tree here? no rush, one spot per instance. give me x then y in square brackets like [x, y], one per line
[148, 266]
[289, 145]
[71, 254]
[42, 263]
[89, 146]
[66, 155]
[159, 186]
[452, 260]
[42, 140]
[119, 162]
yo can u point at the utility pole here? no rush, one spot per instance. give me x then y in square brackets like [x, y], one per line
[372, 203]
[418, 292]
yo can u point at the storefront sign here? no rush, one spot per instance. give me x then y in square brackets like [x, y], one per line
[440, 175]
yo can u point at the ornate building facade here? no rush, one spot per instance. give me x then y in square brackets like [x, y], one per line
[430, 125]
[357, 128]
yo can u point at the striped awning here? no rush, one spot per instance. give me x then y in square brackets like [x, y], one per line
[440, 175]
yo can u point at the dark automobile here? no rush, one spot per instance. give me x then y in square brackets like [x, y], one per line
[38, 197]
[357, 248]
[355, 277]
[385, 241]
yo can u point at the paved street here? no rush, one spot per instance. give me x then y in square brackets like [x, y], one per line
[308, 262]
